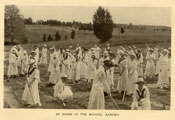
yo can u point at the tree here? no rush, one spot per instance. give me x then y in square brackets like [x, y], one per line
[73, 34]
[14, 24]
[57, 36]
[122, 30]
[28, 21]
[102, 24]
[49, 38]
[44, 38]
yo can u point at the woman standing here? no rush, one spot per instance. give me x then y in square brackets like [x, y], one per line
[43, 59]
[139, 63]
[24, 63]
[132, 73]
[150, 65]
[31, 92]
[55, 70]
[123, 72]
[96, 99]
[13, 66]
[163, 78]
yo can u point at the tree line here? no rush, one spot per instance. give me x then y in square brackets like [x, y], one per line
[75, 24]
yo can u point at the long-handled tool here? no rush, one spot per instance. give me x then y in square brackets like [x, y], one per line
[115, 102]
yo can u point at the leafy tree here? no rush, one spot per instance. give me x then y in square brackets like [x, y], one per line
[14, 24]
[73, 34]
[28, 21]
[102, 24]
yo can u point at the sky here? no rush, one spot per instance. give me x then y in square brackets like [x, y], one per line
[120, 15]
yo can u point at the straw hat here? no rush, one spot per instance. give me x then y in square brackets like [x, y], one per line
[140, 80]
[165, 51]
[25, 52]
[64, 76]
[33, 52]
[132, 54]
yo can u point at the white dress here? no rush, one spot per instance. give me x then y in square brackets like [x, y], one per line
[91, 69]
[31, 95]
[50, 62]
[150, 65]
[96, 98]
[63, 92]
[13, 67]
[19, 60]
[122, 83]
[140, 66]
[132, 76]
[55, 71]
[43, 59]
[142, 97]
[37, 55]
[163, 71]
[24, 64]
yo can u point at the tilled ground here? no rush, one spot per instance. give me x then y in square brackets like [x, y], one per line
[160, 98]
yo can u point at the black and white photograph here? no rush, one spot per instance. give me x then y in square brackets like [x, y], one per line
[87, 57]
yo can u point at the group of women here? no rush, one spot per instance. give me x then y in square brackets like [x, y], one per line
[92, 65]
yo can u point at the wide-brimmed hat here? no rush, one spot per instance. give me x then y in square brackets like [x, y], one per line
[140, 80]
[165, 50]
[64, 76]
[33, 52]
[151, 50]
[25, 52]
[132, 54]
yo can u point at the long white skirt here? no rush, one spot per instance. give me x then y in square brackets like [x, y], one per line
[12, 69]
[96, 99]
[31, 95]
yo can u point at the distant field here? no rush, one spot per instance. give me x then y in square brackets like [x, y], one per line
[87, 39]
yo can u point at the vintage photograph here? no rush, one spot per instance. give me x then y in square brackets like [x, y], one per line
[87, 57]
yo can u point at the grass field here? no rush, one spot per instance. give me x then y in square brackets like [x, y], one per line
[159, 97]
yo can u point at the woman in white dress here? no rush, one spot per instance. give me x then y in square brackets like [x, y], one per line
[13, 65]
[63, 92]
[37, 54]
[43, 59]
[55, 70]
[96, 99]
[150, 65]
[141, 97]
[24, 63]
[31, 92]
[163, 79]
[132, 73]
[92, 68]
[123, 72]
[19, 60]
[139, 63]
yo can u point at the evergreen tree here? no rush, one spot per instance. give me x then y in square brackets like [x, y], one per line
[102, 24]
